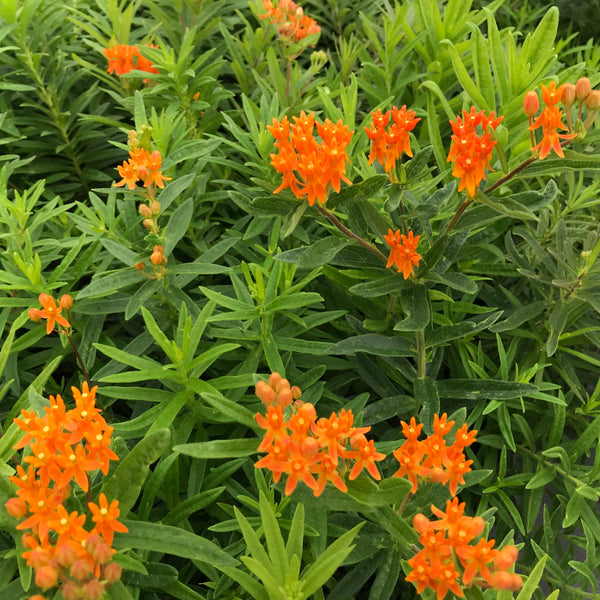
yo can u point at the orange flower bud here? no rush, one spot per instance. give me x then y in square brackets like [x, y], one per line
[309, 446]
[593, 100]
[284, 397]
[139, 266]
[506, 557]
[66, 555]
[148, 223]
[502, 580]
[80, 569]
[265, 393]
[307, 410]
[37, 597]
[155, 208]
[159, 248]
[421, 523]
[16, 507]
[93, 590]
[34, 314]
[66, 301]
[156, 258]
[569, 94]
[145, 211]
[46, 577]
[112, 572]
[296, 392]
[71, 591]
[274, 379]
[531, 103]
[517, 582]
[582, 88]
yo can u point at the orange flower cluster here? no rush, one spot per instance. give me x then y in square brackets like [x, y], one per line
[65, 446]
[142, 166]
[387, 146]
[303, 161]
[448, 538]
[289, 19]
[471, 152]
[403, 251]
[550, 120]
[51, 311]
[302, 446]
[123, 59]
[432, 459]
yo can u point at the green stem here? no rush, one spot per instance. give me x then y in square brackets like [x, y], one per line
[333, 219]
[421, 359]
[79, 359]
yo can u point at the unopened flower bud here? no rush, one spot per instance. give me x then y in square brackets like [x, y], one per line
[66, 555]
[71, 591]
[37, 597]
[93, 590]
[284, 397]
[112, 572]
[421, 523]
[506, 557]
[531, 103]
[582, 88]
[568, 94]
[307, 411]
[101, 553]
[265, 393]
[156, 258]
[592, 102]
[159, 248]
[517, 582]
[16, 507]
[46, 577]
[318, 59]
[274, 379]
[139, 266]
[66, 301]
[132, 139]
[80, 569]
[309, 446]
[502, 580]
[148, 223]
[145, 211]
[34, 314]
[296, 392]
[155, 208]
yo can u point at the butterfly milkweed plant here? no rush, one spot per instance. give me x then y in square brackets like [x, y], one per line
[300, 300]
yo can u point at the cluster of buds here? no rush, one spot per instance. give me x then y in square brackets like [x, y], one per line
[65, 446]
[52, 312]
[448, 540]
[150, 214]
[387, 145]
[432, 459]
[289, 19]
[302, 446]
[403, 251]
[123, 59]
[158, 260]
[470, 151]
[310, 168]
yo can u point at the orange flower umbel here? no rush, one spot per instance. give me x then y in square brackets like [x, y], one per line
[452, 537]
[550, 120]
[302, 446]
[310, 168]
[403, 251]
[387, 145]
[123, 58]
[432, 459]
[65, 447]
[289, 19]
[142, 166]
[52, 312]
[470, 151]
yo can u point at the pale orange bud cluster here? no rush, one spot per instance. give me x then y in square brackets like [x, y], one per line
[52, 311]
[432, 459]
[158, 257]
[452, 537]
[302, 446]
[277, 391]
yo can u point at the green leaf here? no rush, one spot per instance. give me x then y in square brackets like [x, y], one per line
[558, 320]
[387, 576]
[375, 288]
[372, 343]
[415, 303]
[219, 448]
[192, 505]
[178, 225]
[544, 476]
[463, 76]
[481, 65]
[172, 540]
[443, 335]
[274, 539]
[291, 301]
[487, 389]
[587, 439]
[365, 190]
[532, 582]
[426, 394]
[128, 478]
[320, 253]
[521, 315]
[386, 493]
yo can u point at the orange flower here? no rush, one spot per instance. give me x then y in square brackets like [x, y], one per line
[123, 58]
[289, 19]
[403, 251]
[365, 456]
[308, 167]
[550, 121]
[105, 517]
[51, 311]
[141, 166]
[387, 146]
[471, 152]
